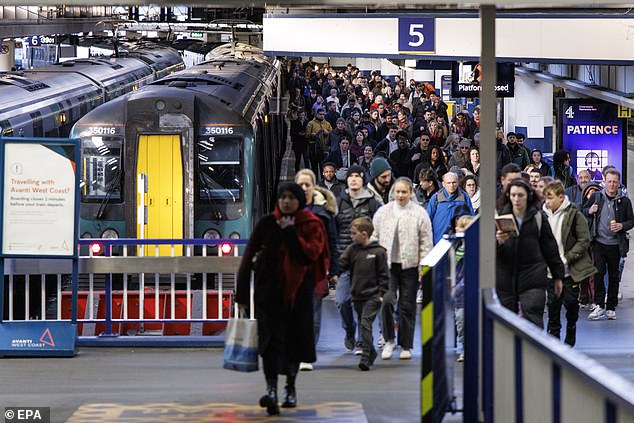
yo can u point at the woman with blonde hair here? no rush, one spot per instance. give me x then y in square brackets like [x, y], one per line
[403, 228]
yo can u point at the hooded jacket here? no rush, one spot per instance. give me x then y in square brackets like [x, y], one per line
[622, 214]
[570, 229]
[368, 270]
[442, 208]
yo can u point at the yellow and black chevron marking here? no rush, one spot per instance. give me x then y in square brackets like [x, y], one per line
[344, 412]
[427, 335]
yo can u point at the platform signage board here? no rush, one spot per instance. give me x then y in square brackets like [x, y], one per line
[594, 135]
[40, 198]
[416, 35]
[466, 78]
[39, 205]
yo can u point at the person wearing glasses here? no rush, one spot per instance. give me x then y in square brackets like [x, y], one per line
[461, 157]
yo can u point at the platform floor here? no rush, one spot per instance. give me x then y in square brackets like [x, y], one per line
[189, 385]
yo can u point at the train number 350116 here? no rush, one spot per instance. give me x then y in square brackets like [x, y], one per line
[218, 130]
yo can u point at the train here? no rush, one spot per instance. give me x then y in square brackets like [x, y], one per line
[203, 146]
[48, 101]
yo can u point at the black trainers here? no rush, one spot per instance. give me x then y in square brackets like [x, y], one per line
[571, 335]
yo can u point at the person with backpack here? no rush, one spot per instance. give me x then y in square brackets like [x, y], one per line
[525, 254]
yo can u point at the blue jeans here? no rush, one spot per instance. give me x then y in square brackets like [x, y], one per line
[343, 301]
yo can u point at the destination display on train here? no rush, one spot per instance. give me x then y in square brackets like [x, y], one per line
[594, 135]
[39, 199]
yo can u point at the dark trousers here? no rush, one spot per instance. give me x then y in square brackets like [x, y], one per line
[315, 158]
[606, 256]
[275, 359]
[586, 293]
[366, 312]
[569, 299]
[301, 151]
[403, 284]
[530, 304]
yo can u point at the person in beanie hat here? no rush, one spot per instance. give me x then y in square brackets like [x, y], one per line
[354, 202]
[380, 180]
[288, 252]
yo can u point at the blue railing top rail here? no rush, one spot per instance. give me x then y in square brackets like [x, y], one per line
[613, 386]
[162, 241]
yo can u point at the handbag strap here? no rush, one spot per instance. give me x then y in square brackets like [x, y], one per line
[252, 297]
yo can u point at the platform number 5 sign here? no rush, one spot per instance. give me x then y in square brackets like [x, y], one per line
[416, 35]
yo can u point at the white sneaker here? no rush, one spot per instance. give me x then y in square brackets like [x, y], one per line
[597, 313]
[611, 314]
[460, 358]
[381, 341]
[307, 367]
[358, 351]
[405, 355]
[419, 296]
[388, 350]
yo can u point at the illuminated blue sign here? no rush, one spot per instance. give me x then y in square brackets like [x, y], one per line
[416, 35]
[594, 135]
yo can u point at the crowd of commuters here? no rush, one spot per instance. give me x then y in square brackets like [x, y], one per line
[386, 173]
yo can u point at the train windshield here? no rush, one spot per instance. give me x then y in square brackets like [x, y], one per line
[220, 168]
[101, 175]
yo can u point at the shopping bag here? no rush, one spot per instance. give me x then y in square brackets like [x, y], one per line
[241, 345]
[241, 339]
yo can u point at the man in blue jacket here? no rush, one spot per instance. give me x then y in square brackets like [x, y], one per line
[450, 201]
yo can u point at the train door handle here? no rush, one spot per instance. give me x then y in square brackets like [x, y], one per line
[167, 201]
[150, 201]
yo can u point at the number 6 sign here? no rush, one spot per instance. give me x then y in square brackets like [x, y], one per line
[416, 35]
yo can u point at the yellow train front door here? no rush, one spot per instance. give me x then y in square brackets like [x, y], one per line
[159, 157]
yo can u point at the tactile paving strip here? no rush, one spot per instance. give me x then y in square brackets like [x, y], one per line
[344, 412]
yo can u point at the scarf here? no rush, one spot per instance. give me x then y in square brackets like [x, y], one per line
[314, 245]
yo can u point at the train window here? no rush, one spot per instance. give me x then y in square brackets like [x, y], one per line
[220, 168]
[101, 160]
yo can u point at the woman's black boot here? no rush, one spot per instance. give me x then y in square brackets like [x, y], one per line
[269, 400]
[290, 394]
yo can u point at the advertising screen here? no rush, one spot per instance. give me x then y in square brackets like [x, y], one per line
[466, 78]
[594, 135]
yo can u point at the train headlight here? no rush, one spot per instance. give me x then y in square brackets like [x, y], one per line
[234, 235]
[86, 235]
[211, 234]
[110, 234]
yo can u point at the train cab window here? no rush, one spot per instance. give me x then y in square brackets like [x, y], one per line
[102, 173]
[220, 168]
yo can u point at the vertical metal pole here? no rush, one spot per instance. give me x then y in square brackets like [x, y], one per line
[488, 171]
[2, 289]
[75, 288]
[108, 298]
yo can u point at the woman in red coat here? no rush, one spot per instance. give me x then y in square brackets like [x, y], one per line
[288, 251]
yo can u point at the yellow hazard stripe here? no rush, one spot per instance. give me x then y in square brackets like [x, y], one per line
[427, 393]
[427, 322]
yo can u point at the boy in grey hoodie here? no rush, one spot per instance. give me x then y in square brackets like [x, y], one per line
[367, 262]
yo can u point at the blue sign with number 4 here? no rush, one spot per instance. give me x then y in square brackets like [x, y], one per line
[416, 35]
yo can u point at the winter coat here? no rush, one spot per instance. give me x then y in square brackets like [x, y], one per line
[337, 187]
[622, 214]
[325, 207]
[401, 162]
[575, 239]
[369, 276]
[522, 261]
[363, 206]
[414, 232]
[442, 208]
[306, 245]
[574, 195]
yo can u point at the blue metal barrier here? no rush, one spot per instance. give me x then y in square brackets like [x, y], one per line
[537, 378]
